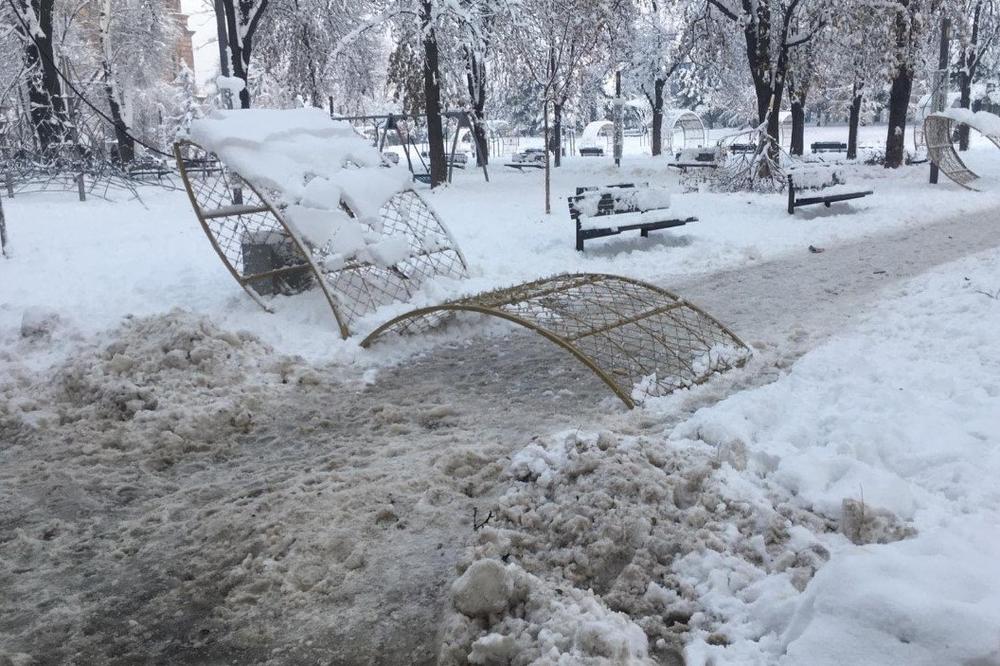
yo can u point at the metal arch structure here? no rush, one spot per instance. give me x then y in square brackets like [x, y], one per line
[267, 257]
[938, 133]
[639, 339]
[691, 126]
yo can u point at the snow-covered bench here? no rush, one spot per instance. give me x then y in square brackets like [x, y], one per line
[827, 195]
[531, 158]
[695, 158]
[592, 151]
[612, 209]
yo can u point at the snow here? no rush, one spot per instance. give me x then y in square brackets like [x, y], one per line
[233, 84]
[312, 164]
[982, 121]
[845, 513]
[186, 478]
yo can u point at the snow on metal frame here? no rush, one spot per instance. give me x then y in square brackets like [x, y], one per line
[691, 126]
[266, 256]
[938, 131]
[642, 341]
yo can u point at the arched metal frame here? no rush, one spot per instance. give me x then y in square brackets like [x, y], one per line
[266, 256]
[595, 131]
[938, 132]
[690, 123]
[639, 339]
[785, 128]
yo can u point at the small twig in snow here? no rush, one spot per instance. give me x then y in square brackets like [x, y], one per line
[476, 526]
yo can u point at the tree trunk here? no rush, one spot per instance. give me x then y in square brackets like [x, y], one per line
[797, 146]
[475, 81]
[548, 169]
[557, 133]
[241, 24]
[236, 55]
[855, 119]
[432, 99]
[899, 103]
[966, 73]
[658, 116]
[223, 39]
[47, 106]
[125, 152]
[769, 85]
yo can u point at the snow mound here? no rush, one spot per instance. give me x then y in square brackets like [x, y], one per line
[599, 532]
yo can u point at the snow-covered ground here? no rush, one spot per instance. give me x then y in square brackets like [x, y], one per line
[155, 257]
[187, 479]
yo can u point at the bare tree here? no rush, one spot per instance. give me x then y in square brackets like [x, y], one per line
[242, 18]
[47, 105]
[771, 32]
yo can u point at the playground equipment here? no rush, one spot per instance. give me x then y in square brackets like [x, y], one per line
[686, 126]
[939, 130]
[598, 134]
[785, 128]
[301, 202]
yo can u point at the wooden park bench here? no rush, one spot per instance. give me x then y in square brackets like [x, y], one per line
[825, 196]
[828, 147]
[592, 152]
[622, 208]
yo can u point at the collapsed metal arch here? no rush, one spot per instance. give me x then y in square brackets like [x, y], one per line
[938, 132]
[266, 256]
[639, 339]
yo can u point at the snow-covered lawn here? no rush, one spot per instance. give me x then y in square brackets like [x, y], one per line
[185, 478]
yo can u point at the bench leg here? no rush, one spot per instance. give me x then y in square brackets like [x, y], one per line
[579, 238]
[644, 233]
[826, 203]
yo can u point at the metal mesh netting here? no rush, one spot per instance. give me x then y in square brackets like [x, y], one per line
[941, 150]
[255, 242]
[641, 340]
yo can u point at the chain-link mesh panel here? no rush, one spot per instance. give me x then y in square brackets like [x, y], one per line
[250, 238]
[938, 132]
[362, 287]
[641, 340]
[248, 231]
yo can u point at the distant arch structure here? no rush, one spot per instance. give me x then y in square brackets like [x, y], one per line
[939, 132]
[683, 129]
[785, 128]
[597, 132]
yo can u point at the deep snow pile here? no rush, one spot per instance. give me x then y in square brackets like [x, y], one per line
[846, 513]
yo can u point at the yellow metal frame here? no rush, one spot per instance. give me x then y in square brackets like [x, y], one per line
[269, 214]
[941, 150]
[490, 303]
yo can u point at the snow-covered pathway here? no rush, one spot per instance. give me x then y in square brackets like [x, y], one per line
[798, 301]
